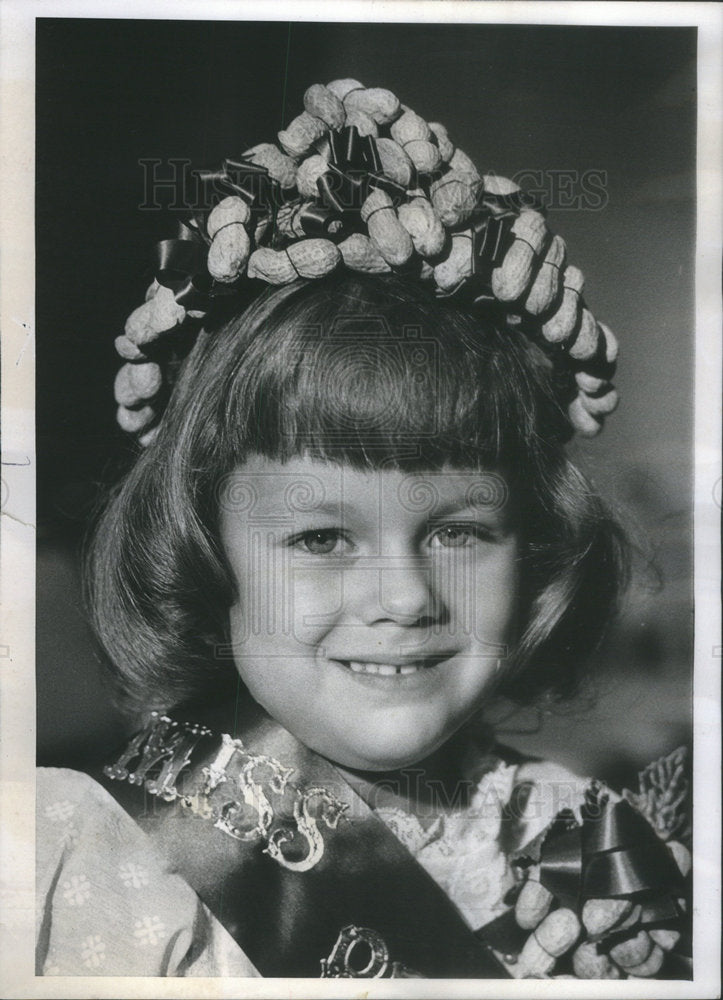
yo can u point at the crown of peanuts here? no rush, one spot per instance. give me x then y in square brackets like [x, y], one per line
[360, 181]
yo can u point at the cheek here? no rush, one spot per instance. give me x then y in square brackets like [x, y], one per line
[279, 599]
[319, 598]
[482, 595]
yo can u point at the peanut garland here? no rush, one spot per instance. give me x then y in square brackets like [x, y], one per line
[423, 200]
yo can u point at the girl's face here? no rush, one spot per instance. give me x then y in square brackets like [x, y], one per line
[374, 608]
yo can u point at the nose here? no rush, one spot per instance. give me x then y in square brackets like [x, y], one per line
[399, 592]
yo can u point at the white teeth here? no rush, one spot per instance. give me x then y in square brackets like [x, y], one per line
[385, 669]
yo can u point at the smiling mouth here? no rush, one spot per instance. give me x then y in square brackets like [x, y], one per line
[391, 669]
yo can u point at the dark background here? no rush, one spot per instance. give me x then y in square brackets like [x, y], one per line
[112, 93]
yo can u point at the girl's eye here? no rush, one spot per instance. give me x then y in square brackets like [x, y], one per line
[456, 536]
[325, 542]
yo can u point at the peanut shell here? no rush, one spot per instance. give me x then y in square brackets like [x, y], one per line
[378, 103]
[362, 122]
[588, 963]
[230, 210]
[590, 383]
[583, 422]
[446, 148]
[599, 915]
[585, 344]
[395, 162]
[558, 932]
[682, 856]
[532, 905]
[271, 265]
[280, 166]
[462, 164]
[611, 343]
[135, 383]
[423, 225]
[261, 228]
[146, 379]
[547, 284]
[424, 155]
[132, 421]
[385, 230]
[360, 254]
[533, 960]
[501, 187]
[148, 437]
[309, 258]
[128, 350]
[414, 136]
[310, 170]
[314, 258]
[228, 252]
[156, 316]
[513, 277]
[301, 133]
[601, 405]
[454, 197]
[650, 967]
[457, 265]
[323, 103]
[633, 950]
[340, 88]
[560, 326]
[667, 939]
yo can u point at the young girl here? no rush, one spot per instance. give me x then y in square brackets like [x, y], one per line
[352, 526]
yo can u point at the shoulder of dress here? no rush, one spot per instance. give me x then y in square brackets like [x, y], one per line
[61, 792]
[50, 781]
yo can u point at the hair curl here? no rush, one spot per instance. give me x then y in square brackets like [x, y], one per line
[377, 373]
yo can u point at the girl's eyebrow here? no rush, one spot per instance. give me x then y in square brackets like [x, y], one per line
[335, 508]
[496, 507]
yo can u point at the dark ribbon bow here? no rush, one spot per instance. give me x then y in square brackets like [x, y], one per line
[614, 854]
[243, 178]
[353, 168]
[180, 263]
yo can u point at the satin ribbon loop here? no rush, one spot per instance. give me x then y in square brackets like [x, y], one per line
[318, 220]
[561, 860]
[241, 178]
[177, 259]
[180, 264]
[613, 854]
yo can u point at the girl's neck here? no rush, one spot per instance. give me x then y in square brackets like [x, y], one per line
[442, 783]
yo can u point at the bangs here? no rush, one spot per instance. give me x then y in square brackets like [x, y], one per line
[375, 373]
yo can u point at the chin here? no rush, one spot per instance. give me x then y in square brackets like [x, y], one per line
[384, 755]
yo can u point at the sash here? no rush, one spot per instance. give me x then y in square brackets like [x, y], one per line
[290, 860]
